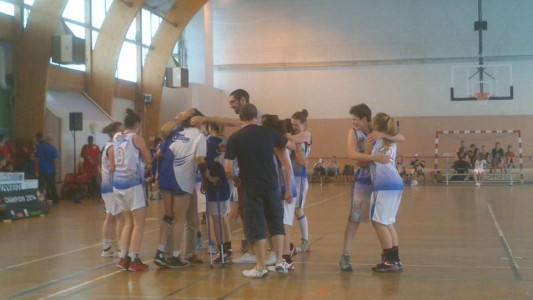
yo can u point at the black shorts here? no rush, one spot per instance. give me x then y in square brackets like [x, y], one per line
[261, 206]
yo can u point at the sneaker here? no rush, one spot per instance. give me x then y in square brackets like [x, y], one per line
[399, 264]
[138, 266]
[282, 268]
[212, 248]
[194, 259]
[159, 258]
[478, 184]
[414, 183]
[176, 263]
[246, 258]
[386, 267]
[304, 246]
[291, 266]
[227, 257]
[293, 250]
[124, 262]
[107, 253]
[270, 258]
[254, 273]
[345, 263]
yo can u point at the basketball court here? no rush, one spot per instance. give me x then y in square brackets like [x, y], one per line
[457, 242]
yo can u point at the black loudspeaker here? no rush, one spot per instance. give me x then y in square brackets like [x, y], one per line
[75, 121]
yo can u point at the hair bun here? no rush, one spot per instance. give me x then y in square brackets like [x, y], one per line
[129, 111]
[305, 112]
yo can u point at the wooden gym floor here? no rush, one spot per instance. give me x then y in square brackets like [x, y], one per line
[456, 242]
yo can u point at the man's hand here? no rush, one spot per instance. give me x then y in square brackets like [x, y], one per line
[374, 136]
[288, 195]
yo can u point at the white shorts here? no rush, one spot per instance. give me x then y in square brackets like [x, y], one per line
[288, 211]
[385, 206]
[213, 208]
[131, 198]
[478, 171]
[302, 185]
[111, 203]
[360, 210]
[200, 198]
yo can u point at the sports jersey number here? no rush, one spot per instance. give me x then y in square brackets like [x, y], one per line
[119, 156]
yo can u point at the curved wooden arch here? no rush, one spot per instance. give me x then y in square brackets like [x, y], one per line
[32, 62]
[107, 51]
[156, 61]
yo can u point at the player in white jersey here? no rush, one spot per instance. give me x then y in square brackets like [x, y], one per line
[106, 188]
[386, 195]
[184, 151]
[302, 137]
[131, 154]
[362, 185]
[479, 170]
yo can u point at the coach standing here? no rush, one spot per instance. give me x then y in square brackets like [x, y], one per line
[253, 146]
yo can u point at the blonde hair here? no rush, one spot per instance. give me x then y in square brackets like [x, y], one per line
[386, 124]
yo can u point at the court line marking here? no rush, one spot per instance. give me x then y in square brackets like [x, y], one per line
[81, 285]
[414, 265]
[512, 261]
[59, 254]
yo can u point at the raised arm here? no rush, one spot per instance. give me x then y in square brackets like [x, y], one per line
[353, 152]
[168, 126]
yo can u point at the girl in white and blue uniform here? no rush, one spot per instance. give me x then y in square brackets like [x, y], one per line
[131, 154]
[302, 137]
[386, 195]
[106, 189]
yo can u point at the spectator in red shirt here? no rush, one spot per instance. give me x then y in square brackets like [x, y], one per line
[91, 166]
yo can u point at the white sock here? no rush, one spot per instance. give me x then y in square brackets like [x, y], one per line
[134, 255]
[106, 245]
[175, 253]
[123, 253]
[302, 221]
[161, 248]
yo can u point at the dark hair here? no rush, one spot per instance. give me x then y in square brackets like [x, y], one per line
[187, 122]
[111, 128]
[39, 136]
[301, 116]
[212, 126]
[239, 94]
[131, 118]
[361, 111]
[157, 140]
[286, 125]
[272, 121]
[248, 112]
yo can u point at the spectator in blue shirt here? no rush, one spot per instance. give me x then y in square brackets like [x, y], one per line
[47, 157]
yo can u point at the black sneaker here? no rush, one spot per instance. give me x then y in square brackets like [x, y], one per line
[227, 257]
[159, 258]
[176, 263]
[387, 267]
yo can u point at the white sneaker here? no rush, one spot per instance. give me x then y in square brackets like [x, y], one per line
[414, 183]
[247, 258]
[108, 253]
[270, 258]
[282, 268]
[478, 184]
[254, 273]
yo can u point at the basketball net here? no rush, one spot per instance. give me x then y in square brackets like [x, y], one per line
[482, 96]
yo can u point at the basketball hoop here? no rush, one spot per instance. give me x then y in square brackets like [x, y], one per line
[482, 96]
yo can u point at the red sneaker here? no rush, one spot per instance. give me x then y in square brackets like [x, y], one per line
[138, 266]
[124, 262]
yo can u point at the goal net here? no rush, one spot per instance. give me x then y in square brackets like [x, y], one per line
[447, 143]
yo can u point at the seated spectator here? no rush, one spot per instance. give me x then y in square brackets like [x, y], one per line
[319, 168]
[461, 152]
[332, 168]
[460, 166]
[418, 168]
[472, 154]
[497, 156]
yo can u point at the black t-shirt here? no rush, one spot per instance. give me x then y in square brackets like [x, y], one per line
[461, 166]
[253, 147]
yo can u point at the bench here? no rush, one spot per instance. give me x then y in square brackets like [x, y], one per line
[496, 178]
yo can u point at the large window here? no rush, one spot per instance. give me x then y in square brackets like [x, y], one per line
[7, 8]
